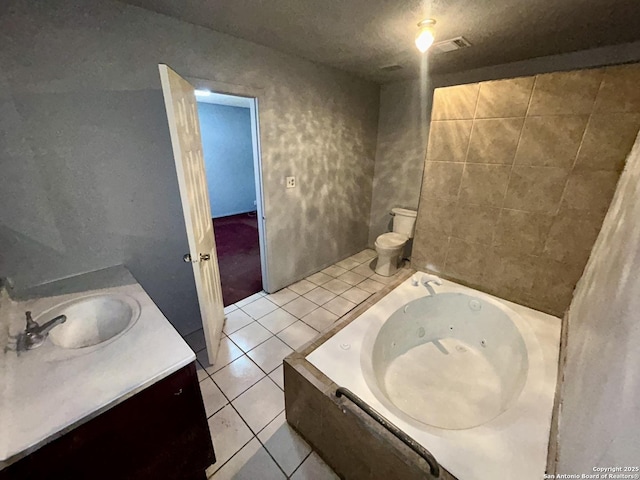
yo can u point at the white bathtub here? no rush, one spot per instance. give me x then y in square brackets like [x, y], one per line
[469, 376]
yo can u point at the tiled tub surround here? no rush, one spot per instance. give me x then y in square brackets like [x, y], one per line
[243, 392]
[476, 453]
[44, 397]
[519, 174]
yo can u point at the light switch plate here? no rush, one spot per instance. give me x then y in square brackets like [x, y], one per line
[291, 182]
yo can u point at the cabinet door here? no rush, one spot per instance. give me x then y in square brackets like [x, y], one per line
[159, 433]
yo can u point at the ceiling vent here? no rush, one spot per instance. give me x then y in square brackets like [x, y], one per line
[450, 45]
[391, 68]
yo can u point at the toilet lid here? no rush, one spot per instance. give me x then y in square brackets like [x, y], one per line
[391, 239]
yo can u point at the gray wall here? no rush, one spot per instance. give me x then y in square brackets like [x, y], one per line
[599, 414]
[87, 171]
[228, 158]
[402, 134]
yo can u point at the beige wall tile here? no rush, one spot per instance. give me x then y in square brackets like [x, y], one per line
[551, 141]
[608, 141]
[504, 98]
[455, 103]
[435, 216]
[442, 181]
[565, 93]
[521, 232]
[509, 275]
[475, 223]
[619, 91]
[553, 286]
[466, 261]
[590, 190]
[572, 236]
[536, 189]
[494, 140]
[484, 184]
[429, 250]
[448, 141]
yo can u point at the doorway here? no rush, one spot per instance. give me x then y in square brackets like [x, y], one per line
[229, 131]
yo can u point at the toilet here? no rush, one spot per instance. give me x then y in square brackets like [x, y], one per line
[390, 246]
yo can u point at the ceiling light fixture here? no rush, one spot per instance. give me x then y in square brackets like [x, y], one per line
[425, 36]
[202, 93]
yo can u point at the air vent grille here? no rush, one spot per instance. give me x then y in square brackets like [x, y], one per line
[450, 45]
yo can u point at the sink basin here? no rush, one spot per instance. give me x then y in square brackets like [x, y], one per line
[92, 320]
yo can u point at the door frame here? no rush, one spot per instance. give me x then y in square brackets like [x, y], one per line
[252, 93]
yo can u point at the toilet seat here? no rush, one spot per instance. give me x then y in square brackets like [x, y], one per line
[391, 240]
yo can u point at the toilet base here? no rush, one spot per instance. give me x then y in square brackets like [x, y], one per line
[387, 265]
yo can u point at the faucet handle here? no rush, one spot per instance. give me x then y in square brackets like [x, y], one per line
[428, 278]
[31, 323]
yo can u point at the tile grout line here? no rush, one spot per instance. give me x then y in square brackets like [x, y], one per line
[247, 313]
[266, 374]
[248, 303]
[265, 447]
[575, 158]
[272, 371]
[243, 391]
[512, 166]
[240, 415]
[572, 169]
[226, 364]
[229, 403]
[464, 168]
[253, 348]
[304, 460]
[218, 410]
[515, 154]
[229, 459]
[283, 329]
[254, 435]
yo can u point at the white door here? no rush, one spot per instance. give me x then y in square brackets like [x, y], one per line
[180, 102]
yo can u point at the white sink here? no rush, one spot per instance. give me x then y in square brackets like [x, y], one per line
[91, 320]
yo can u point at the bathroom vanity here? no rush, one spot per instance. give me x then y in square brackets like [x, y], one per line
[112, 392]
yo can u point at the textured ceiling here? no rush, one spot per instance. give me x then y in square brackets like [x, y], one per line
[361, 36]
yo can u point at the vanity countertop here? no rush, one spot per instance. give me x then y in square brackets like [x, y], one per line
[46, 392]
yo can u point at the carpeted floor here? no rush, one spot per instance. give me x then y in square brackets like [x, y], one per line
[238, 248]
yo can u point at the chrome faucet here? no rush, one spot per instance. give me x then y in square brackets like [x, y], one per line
[34, 335]
[426, 279]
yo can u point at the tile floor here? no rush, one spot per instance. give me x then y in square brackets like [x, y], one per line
[244, 392]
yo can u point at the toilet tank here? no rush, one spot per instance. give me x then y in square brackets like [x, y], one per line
[404, 221]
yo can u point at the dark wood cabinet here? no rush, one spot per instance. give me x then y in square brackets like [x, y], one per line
[159, 433]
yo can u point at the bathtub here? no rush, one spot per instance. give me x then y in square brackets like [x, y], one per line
[469, 376]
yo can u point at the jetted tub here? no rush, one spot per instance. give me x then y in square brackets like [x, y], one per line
[469, 376]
